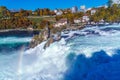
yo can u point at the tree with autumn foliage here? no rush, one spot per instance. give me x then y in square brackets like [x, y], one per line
[110, 14]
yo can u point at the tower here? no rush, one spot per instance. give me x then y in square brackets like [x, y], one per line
[74, 9]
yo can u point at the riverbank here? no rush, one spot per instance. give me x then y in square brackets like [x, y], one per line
[7, 30]
[18, 33]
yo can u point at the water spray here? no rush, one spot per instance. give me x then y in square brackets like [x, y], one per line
[20, 62]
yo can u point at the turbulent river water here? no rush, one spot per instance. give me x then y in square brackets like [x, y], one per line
[92, 53]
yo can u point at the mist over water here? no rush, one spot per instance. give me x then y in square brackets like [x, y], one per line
[89, 54]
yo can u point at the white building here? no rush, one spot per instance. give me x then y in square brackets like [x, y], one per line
[93, 11]
[55, 11]
[74, 9]
[61, 22]
[116, 1]
[77, 21]
[85, 18]
[58, 12]
[83, 8]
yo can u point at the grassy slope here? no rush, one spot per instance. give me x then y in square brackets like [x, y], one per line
[37, 19]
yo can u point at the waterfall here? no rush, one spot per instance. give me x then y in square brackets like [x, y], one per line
[93, 52]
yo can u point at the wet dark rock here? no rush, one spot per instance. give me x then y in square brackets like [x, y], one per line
[50, 41]
[37, 39]
[46, 35]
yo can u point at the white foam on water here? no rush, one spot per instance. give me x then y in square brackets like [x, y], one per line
[52, 60]
[50, 63]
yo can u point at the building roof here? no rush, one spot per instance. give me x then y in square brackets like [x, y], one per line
[62, 20]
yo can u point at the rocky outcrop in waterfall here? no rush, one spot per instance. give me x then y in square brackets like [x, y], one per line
[45, 35]
[50, 40]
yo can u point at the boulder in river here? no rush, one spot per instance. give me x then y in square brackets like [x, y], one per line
[50, 41]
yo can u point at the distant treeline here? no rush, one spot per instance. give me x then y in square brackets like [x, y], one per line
[15, 22]
[110, 14]
[19, 19]
[10, 19]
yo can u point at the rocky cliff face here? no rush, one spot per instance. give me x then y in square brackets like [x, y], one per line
[50, 40]
[45, 35]
[50, 35]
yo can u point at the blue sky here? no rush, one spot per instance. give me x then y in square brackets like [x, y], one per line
[52, 4]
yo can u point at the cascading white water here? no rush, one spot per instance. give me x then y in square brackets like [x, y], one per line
[75, 58]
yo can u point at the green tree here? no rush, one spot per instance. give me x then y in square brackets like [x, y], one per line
[3, 9]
